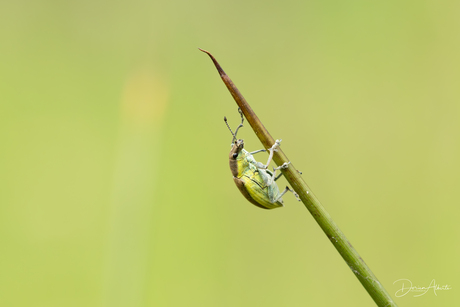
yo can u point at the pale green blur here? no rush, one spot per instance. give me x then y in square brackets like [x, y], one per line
[114, 177]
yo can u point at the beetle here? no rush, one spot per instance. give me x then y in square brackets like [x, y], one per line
[253, 179]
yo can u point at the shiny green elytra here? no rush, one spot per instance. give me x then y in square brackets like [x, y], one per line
[253, 179]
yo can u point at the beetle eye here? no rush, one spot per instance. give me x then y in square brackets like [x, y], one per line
[235, 155]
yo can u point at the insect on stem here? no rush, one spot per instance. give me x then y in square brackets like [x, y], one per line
[322, 217]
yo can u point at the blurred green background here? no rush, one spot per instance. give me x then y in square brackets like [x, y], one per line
[115, 186]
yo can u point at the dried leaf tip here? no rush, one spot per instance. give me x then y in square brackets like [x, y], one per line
[203, 50]
[219, 69]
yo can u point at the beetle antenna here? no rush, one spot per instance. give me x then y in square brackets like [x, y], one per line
[237, 128]
[242, 120]
[234, 135]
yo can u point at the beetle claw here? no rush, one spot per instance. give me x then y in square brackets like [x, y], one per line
[285, 165]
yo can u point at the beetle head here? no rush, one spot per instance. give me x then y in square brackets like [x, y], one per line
[235, 164]
[238, 145]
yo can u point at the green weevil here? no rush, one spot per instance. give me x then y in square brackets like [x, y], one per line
[253, 179]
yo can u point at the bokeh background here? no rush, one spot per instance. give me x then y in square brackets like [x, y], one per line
[115, 186]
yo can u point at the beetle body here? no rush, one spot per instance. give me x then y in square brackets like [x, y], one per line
[255, 182]
[253, 179]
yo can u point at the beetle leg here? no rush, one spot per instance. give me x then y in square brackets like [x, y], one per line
[254, 152]
[274, 178]
[278, 177]
[284, 166]
[284, 192]
[270, 157]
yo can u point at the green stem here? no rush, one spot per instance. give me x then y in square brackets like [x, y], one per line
[322, 217]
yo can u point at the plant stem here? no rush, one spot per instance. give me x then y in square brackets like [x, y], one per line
[322, 217]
